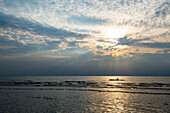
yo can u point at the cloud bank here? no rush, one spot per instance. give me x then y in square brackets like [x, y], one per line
[86, 32]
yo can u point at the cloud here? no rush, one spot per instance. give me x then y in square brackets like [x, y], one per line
[53, 56]
[144, 43]
[95, 59]
[119, 12]
[7, 47]
[28, 36]
[163, 10]
[124, 47]
[141, 15]
[84, 20]
[41, 37]
[38, 25]
[155, 45]
[10, 21]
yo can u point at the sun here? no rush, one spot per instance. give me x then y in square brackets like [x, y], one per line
[115, 33]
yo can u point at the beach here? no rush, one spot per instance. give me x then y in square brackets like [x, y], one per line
[84, 95]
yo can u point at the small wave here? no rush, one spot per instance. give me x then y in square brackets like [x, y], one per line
[80, 89]
[89, 84]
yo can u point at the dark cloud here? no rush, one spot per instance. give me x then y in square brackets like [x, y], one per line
[70, 56]
[155, 45]
[10, 21]
[139, 43]
[163, 10]
[142, 65]
[35, 28]
[18, 49]
[130, 42]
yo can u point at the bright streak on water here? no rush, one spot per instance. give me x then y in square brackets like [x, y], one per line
[84, 94]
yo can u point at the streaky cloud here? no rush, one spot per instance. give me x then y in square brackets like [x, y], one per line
[10, 21]
[53, 56]
[85, 20]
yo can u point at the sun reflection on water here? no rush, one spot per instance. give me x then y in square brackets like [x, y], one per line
[109, 102]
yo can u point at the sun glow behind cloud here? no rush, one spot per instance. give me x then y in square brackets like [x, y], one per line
[89, 30]
[115, 33]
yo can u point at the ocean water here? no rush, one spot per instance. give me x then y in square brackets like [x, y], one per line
[84, 94]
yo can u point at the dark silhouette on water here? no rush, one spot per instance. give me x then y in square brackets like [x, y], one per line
[116, 79]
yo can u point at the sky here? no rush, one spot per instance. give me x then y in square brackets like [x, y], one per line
[85, 37]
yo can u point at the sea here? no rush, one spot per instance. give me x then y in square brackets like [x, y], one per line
[84, 94]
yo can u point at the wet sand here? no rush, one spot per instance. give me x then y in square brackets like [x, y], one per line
[84, 95]
[69, 101]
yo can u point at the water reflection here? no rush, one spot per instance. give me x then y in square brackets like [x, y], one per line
[108, 102]
[87, 94]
